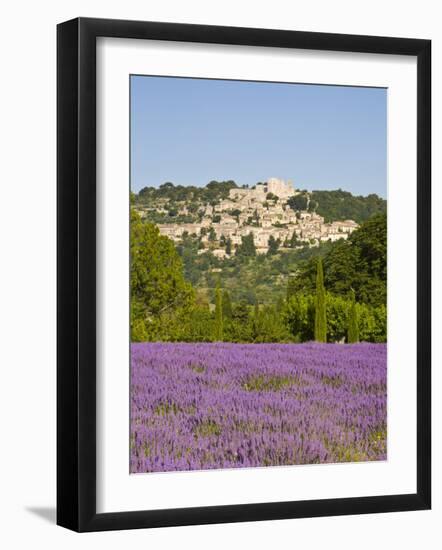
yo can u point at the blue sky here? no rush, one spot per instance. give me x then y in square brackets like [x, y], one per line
[191, 131]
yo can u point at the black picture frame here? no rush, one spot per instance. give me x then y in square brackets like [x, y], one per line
[77, 287]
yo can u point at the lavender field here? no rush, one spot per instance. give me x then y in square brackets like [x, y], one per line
[203, 406]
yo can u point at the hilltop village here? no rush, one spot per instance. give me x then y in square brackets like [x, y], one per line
[268, 212]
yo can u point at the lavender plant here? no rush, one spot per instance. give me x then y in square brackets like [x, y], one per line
[204, 406]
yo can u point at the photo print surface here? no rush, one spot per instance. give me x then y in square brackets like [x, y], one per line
[258, 274]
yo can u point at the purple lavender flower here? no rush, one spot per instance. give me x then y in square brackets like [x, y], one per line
[203, 406]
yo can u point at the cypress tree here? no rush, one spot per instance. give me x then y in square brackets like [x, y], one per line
[256, 321]
[227, 305]
[273, 246]
[353, 326]
[229, 246]
[218, 315]
[320, 312]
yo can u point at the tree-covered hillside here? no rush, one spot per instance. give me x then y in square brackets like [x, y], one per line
[342, 205]
[248, 276]
[358, 263]
[212, 193]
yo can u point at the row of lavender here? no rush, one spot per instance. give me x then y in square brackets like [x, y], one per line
[202, 406]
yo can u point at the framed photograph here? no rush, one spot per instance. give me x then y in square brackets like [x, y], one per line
[243, 274]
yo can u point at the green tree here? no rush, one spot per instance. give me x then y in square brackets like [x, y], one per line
[380, 322]
[353, 326]
[370, 245]
[156, 277]
[218, 330]
[240, 328]
[217, 190]
[247, 246]
[167, 185]
[298, 202]
[269, 326]
[256, 321]
[273, 246]
[212, 234]
[229, 246]
[337, 308]
[294, 242]
[198, 326]
[320, 309]
[226, 305]
[299, 316]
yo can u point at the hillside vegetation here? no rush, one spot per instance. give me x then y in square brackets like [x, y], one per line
[213, 192]
[342, 205]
